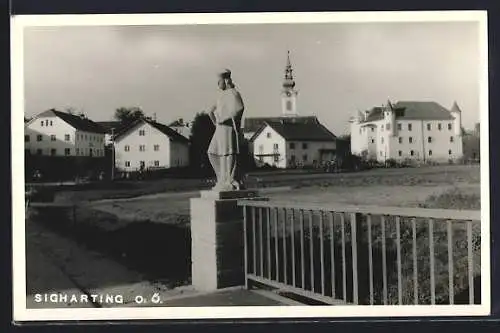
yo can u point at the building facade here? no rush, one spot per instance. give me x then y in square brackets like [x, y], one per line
[55, 133]
[146, 144]
[419, 131]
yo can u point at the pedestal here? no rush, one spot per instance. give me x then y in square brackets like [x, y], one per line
[217, 240]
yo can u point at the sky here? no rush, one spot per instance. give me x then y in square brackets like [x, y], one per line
[171, 71]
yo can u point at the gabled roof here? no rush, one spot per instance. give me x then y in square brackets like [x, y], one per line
[251, 125]
[79, 123]
[108, 126]
[412, 110]
[297, 131]
[173, 135]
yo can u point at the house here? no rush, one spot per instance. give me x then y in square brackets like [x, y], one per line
[181, 127]
[56, 133]
[110, 127]
[147, 144]
[414, 130]
[287, 144]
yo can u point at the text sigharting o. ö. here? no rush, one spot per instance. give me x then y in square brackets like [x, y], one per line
[94, 298]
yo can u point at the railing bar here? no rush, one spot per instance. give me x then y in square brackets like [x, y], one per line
[275, 210]
[354, 253]
[415, 262]
[431, 255]
[451, 289]
[370, 256]
[332, 252]
[302, 259]
[292, 235]
[268, 242]
[285, 263]
[470, 262]
[322, 253]
[398, 255]
[261, 244]
[384, 261]
[254, 259]
[344, 273]
[311, 249]
[245, 242]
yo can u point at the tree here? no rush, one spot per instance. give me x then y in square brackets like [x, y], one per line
[201, 133]
[128, 114]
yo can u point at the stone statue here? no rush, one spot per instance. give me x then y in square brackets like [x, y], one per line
[224, 147]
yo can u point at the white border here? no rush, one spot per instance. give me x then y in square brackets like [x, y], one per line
[20, 313]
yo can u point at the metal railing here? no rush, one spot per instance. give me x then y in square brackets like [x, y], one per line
[362, 255]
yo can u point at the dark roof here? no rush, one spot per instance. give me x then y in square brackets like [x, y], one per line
[253, 124]
[412, 110]
[108, 125]
[80, 123]
[299, 131]
[161, 127]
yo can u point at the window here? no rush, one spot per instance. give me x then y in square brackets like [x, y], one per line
[430, 152]
[66, 137]
[157, 163]
[399, 127]
[52, 137]
[388, 126]
[381, 128]
[429, 139]
[268, 135]
[449, 152]
[26, 138]
[85, 136]
[292, 145]
[142, 148]
[276, 158]
[51, 123]
[156, 147]
[412, 152]
[440, 126]
[292, 158]
[39, 137]
[142, 132]
[451, 139]
[47, 122]
[275, 146]
[382, 139]
[400, 153]
[400, 140]
[53, 152]
[410, 139]
[289, 105]
[41, 123]
[449, 127]
[304, 157]
[67, 151]
[304, 145]
[409, 127]
[77, 151]
[127, 163]
[381, 153]
[39, 152]
[429, 127]
[373, 129]
[373, 140]
[127, 148]
[261, 148]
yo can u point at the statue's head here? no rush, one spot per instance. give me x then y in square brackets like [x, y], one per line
[225, 80]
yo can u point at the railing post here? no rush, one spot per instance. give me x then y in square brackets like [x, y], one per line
[358, 271]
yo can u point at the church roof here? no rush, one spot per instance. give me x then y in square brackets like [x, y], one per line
[252, 125]
[299, 131]
[76, 121]
[412, 110]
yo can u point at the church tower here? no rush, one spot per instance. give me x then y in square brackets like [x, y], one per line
[289, 94]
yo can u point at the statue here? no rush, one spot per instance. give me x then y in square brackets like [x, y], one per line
[224, 147]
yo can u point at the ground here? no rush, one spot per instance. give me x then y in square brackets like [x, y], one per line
[148, 221]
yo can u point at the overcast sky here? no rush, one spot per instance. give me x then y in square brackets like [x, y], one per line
[170, 70]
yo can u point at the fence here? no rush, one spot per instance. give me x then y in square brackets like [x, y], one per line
[362, 255]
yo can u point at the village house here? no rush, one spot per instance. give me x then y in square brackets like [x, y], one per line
[181, 127]
[56, 133]
[289, 140]
[147, 144]
[412, 130]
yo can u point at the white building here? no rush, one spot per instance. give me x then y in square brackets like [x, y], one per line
[55, 133]
[181, 127]
[150, 145]
[288, 144]
[420, 131]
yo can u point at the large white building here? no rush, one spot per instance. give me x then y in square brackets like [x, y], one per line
[56, 133]
[148, 144]
[290, 140]
[415, 130]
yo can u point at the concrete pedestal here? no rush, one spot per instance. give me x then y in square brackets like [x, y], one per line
[217, 242]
